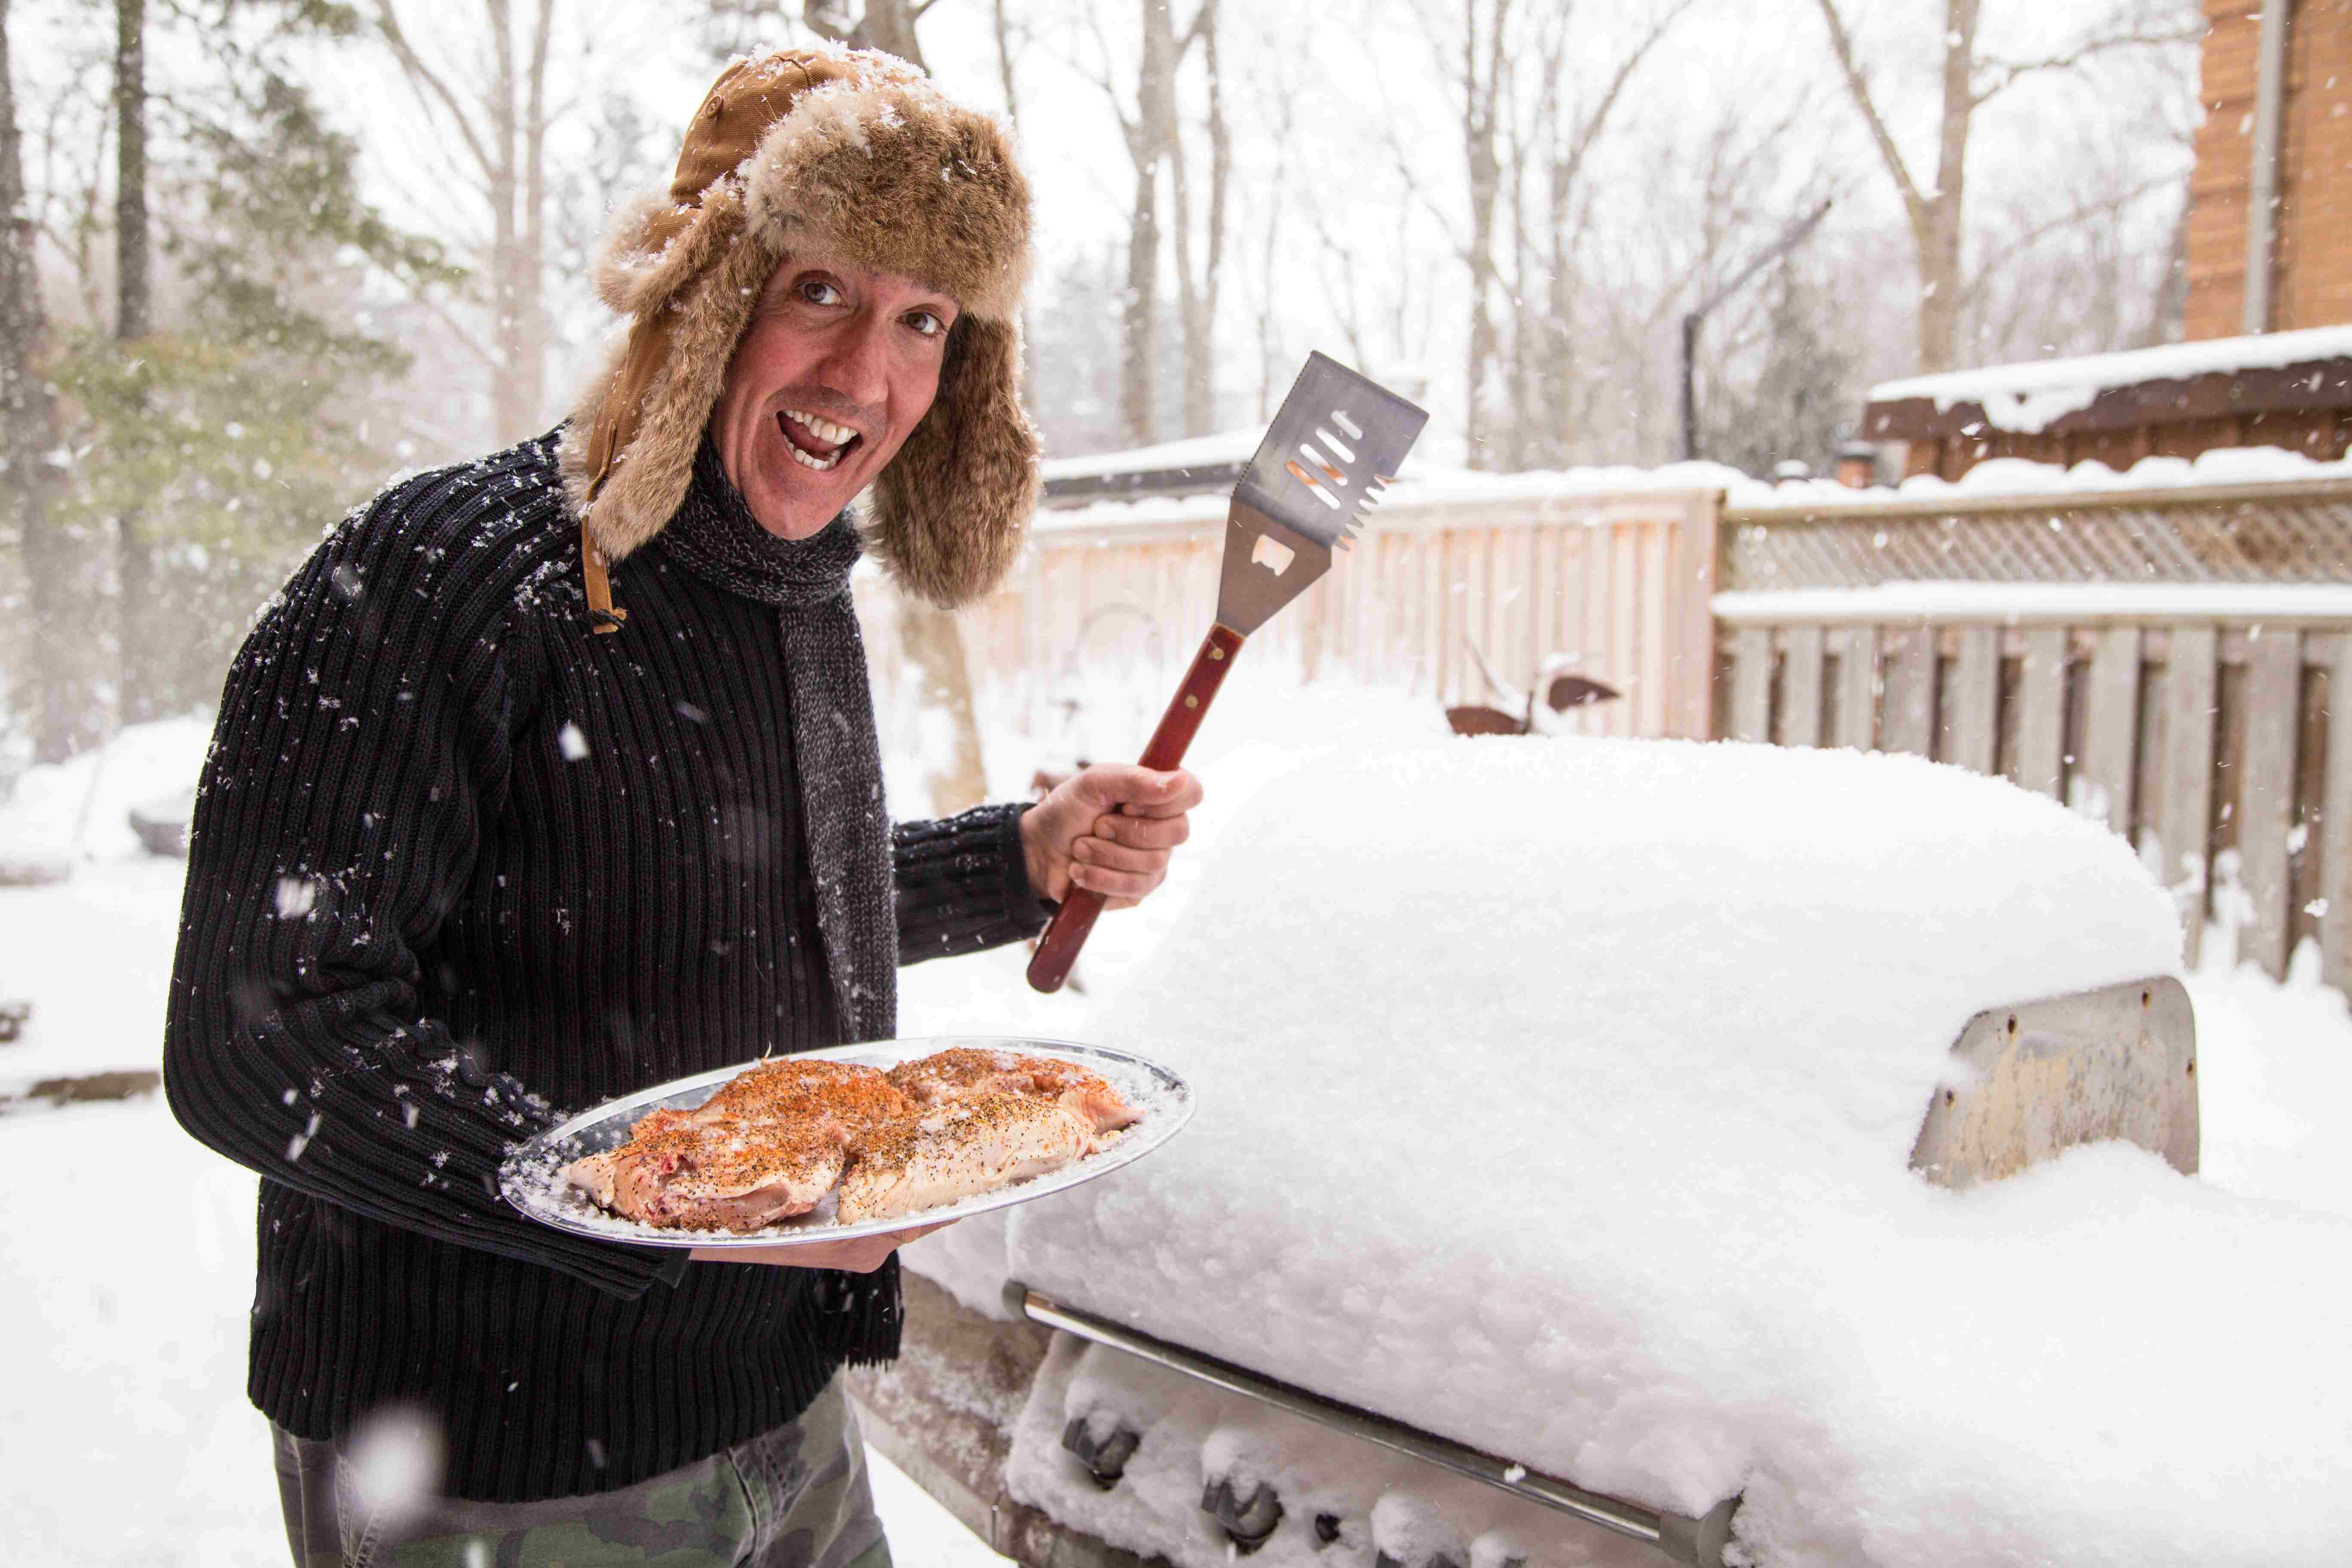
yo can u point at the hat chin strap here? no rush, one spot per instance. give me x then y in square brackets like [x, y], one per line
[601, 615]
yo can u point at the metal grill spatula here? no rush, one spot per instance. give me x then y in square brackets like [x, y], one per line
[1336, 440]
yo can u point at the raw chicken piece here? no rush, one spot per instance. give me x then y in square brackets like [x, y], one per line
[972, 1143]
[965, 1071]
[722, 1174]
[769, 1146]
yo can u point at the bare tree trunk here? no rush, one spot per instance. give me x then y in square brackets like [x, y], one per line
[1941, 286]
[885, 25]
[530, 251]
[1278, 156]
[1550, 382]
[132, 271]
[1147, 149]
[1202, 386]
[510, 414]
[1196, 274]
[1162, 19]
[63, 700]
[1481, 95]
[1012, 113]
[501, 129]
[1935, 214]
[138, 639]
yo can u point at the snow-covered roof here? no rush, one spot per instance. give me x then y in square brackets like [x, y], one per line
[2032, 395]
[1573, 1124]
[1197, 451]
[1419, 486]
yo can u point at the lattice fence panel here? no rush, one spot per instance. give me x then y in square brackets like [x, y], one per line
[2298, 534]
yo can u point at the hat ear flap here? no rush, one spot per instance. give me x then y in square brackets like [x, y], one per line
[948, 513]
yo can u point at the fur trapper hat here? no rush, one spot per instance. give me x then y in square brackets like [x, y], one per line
[837, 158]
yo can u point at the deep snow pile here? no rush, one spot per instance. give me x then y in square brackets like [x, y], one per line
[1623, 1196]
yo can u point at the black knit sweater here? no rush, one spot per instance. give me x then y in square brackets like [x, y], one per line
[458, 862]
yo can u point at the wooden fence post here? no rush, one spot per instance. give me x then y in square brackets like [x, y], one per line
[1911, 692]
[1800, 689]
[2266, 792]
[2042, 712]
[1972, 738]
[2184, 822]
[2111, 727]
[2335, 821]
[1857, 719]
[1751, 685]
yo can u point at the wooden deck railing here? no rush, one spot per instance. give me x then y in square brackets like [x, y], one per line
[2197, 722]
[1619, 582]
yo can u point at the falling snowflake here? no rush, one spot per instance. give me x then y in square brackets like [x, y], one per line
[296, 895]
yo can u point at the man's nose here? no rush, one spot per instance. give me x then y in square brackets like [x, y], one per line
[858, 365]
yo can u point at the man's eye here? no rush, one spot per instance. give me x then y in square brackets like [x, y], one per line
[818, 292]
[923, 322]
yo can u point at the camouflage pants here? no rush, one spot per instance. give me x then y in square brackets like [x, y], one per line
[793, 1498]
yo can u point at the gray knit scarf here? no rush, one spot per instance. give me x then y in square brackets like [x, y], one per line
[847, 829]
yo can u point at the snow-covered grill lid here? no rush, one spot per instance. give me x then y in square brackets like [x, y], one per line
[1557, 1096]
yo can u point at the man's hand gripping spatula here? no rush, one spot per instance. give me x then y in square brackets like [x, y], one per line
[1334, 442]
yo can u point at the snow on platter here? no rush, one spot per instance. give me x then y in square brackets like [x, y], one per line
[532, 1178]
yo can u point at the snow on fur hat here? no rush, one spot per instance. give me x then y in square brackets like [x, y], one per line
[829, 158]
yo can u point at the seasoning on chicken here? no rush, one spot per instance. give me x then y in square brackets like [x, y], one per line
[769, 1146]
[777, 1139]
[790, 1089]
[972, 1144]
[964, 1071]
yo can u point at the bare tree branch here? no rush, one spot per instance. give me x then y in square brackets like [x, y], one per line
[2006, 73]
[1842, 45]
[423, 78]
[2081, 213]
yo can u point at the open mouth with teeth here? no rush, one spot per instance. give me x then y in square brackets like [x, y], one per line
[814, 441]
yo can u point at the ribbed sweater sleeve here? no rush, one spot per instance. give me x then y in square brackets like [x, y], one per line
[963, 885]
[362, 743]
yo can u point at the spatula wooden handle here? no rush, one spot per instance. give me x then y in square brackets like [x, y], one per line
[1057, 949]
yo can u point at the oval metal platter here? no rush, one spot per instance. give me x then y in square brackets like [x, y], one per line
[532, 1178]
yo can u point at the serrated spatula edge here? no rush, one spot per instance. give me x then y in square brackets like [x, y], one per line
[1283, 479]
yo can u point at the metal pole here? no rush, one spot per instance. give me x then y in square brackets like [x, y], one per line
[2261, 198]
[1698, 1542]
[1690, 393]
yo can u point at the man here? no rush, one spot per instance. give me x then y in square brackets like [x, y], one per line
[553, 776]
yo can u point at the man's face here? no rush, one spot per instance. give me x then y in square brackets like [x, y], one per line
[836, 370]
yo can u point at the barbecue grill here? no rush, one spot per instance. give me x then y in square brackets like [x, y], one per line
[1547, 1202]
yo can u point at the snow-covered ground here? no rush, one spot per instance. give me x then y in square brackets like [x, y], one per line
[124, 1434]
